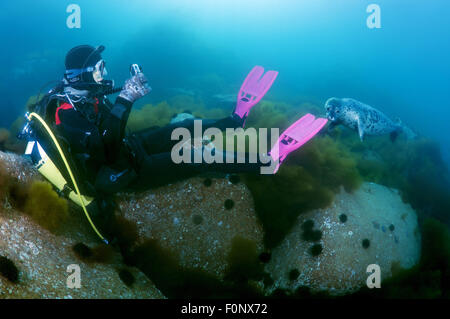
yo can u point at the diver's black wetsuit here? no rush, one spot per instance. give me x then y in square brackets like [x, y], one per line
[112, 161]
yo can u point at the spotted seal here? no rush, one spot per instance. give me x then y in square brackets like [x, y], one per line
[362, 117]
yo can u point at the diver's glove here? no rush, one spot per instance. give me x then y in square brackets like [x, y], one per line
[135, 88]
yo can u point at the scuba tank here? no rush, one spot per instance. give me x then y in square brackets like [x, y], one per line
[38, 150]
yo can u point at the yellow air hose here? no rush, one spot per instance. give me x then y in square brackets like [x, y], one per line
[55, 141]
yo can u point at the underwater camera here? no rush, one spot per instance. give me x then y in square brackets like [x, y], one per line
[135, 69]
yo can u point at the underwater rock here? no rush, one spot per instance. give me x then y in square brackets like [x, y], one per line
[366, 237]
[190, 220]
[181, 117]
[194, 220]
[225, 97]
[19, 167]
[42, 260]
[42, 257]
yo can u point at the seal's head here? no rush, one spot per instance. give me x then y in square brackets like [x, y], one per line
[333, 107]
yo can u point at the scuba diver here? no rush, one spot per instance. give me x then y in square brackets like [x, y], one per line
[89, 157]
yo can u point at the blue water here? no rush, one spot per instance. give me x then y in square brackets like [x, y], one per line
[321, 48]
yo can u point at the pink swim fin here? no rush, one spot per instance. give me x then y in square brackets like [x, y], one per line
[295, 136]
[253, 89]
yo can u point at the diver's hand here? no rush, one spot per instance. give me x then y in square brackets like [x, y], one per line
[135, 88]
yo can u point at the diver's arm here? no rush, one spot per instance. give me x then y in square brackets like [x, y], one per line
[112, 129]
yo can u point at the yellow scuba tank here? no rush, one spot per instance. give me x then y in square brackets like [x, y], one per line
[49, 170]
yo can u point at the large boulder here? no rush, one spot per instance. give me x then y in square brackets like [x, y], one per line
[18, 167]
[196, 220]
[42, 259]
[330, 249]
[34, 261]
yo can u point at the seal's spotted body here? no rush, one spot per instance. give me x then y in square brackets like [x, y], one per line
[361, 117]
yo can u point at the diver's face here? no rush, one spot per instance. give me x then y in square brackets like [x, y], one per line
[332, 109]
[99, 72]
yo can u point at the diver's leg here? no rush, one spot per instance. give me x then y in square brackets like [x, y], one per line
[159, 140]
[160, 169]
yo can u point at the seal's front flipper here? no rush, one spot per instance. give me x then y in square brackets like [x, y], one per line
[295, 136]
[361, 129]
